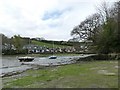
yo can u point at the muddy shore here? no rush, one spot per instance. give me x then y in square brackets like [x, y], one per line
[40, 63]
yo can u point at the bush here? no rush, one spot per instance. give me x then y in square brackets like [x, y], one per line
[9, 52]
[14, 52]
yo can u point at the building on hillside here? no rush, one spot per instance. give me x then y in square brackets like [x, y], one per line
[84, 46]
[8, 47]
[33, 48]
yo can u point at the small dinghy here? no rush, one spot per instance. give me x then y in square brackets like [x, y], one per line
[52, 57]
[25, 59]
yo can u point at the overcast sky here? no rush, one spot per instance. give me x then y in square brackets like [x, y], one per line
[51, 19]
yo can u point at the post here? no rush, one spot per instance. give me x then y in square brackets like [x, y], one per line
[0, 60]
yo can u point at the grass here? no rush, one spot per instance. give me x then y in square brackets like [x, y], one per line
[81, 75]
[47, 44]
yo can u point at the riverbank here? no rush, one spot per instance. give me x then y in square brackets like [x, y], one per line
[46, 54]
[12, 66]
[85, 74]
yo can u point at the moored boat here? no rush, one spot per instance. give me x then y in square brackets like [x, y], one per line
[25, 59]
[52, 57]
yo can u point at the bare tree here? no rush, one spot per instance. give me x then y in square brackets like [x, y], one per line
[103, 10]
[88, 28]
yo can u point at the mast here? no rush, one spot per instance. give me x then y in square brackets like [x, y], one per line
[53, 47]
[52, 57]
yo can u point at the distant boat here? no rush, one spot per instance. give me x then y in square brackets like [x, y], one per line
[53, 56]
[25, 59]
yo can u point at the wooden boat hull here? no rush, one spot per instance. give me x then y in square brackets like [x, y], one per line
[25, 59]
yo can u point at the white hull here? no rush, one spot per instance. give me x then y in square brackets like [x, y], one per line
[52, 57]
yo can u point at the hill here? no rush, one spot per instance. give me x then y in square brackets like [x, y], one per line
[49, 44]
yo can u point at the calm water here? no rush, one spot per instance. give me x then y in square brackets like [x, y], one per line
[11, 64]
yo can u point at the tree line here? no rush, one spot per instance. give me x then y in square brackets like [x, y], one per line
[102, 28]
[14, 44]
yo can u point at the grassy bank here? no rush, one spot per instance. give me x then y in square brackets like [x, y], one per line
[94, 74]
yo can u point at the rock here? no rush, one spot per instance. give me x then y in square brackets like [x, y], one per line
[105, 72]
[110, 74]
[116, 67]
[102, 71]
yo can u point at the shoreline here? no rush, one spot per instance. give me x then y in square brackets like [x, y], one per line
[39, 65]
[34, 65]
[45, 54]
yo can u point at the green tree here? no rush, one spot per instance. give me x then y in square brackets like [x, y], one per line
[17, 41]
[101, 28]
[5, 39]
[109, 38]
